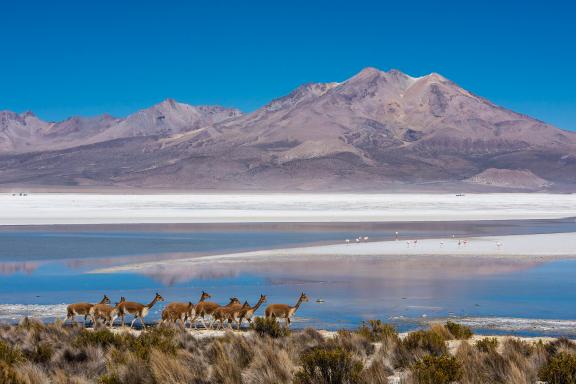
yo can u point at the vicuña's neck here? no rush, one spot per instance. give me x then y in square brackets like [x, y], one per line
[152, 303]
[298, 304]
[258, 304]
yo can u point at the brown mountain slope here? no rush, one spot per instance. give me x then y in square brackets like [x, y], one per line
[25, 132]
[374, 131]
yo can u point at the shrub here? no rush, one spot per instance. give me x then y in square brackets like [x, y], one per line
[42, 353]
[487, 344]
[459, 331]
[109, 379]
[560, 345]
[519, 346]
[269, 326]
[328, 365]
[75, 356]
[561, 369]
[160, 338]
[8, 375]
[9, 354]
[101, 337]
[375, 331]
[441, 330]
[353, 343]
[442, 369]
[428, 341]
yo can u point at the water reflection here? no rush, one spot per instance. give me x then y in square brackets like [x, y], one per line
[398, 289]
[322, 269]
[18, 267]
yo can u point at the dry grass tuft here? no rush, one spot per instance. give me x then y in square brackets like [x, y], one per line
[34, 353]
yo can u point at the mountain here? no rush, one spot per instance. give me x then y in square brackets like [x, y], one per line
[27, 133]
[376, 131]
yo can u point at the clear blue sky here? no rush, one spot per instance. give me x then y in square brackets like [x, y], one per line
[62, 58]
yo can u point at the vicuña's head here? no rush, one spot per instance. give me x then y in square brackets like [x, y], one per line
[106, 300]
[204, 296]
[303, 297]
[190, 305]
[245, 305]
[262, 298]
[122, 299]
[158, 297]
[234, 300]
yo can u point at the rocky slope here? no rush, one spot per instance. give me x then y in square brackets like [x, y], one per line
[375, 131]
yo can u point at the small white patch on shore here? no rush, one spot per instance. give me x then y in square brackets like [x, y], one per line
[15, 312]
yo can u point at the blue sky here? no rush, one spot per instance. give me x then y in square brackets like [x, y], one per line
[62, 58]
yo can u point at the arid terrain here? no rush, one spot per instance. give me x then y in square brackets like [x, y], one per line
[376, 131]
[374, 353]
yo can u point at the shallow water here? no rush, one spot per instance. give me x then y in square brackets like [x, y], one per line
[43, 267]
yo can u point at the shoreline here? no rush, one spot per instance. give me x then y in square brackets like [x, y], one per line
[73, 209]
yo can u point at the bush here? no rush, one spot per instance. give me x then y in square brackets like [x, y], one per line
[10, 355]
[159, 338]
[269, 326]
[521, 347]
[487, 344]
[101, 337]
[561, 369]
[376, 330]
[109, 379]
[328, 365]
[42, 353]
[441, 330]
[459, 331]
[442, 369]
[8, 375]
[560, 345]
[428, 341]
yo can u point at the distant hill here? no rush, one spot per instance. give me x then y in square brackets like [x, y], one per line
[377, 131]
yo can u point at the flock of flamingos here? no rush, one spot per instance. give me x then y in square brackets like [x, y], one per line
[182, 313]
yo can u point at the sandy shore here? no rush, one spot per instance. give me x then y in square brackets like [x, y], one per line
[561, 245]
[48, 209]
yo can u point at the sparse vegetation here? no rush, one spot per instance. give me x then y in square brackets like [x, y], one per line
[428, 341]
[458, 331]
[270, 327]
[328, 365]
[561, 369]
[376, 330]
[442, 369]
[487, 344]
[36, 353]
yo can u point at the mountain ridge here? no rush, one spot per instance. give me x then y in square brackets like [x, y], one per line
[372, 131]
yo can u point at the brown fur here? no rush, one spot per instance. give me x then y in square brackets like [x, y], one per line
[178, 311]
[82, 309]
[227, 312]
[284, 311]
[247, 313]
[106, 312]
[137, 309]
[205, 308]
